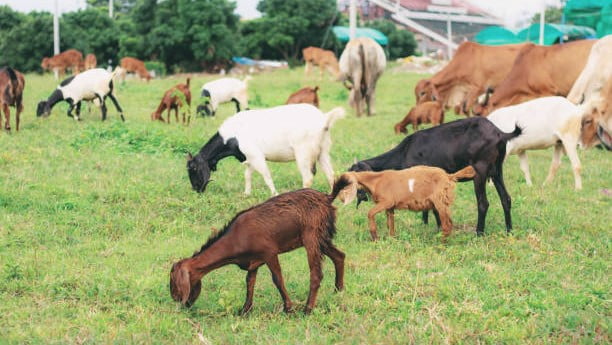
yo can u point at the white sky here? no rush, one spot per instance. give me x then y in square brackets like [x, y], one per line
[511, 11]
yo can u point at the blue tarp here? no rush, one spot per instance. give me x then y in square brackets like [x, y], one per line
[342, 32]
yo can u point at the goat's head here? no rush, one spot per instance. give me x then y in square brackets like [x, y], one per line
[43, 109]
[182, 288]
[199, 172]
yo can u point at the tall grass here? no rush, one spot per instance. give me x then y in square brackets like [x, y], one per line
[93, 214]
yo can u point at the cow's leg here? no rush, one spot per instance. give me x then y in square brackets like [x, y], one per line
[370, 99]
[176, 117]
[7, 116]
[524, 162]
[117, 106]
[307, 68]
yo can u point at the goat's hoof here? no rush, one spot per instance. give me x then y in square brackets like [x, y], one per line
[307, 310]
[480, 233]
[339, 288]
[288, 309]
[245, 310]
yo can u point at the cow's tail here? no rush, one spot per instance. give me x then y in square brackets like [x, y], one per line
[334, 115]
[364, 80]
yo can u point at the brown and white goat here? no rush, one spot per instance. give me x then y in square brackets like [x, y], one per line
[428, 112]
[305, 95]
[11, 94]
[420, 188]
[172, 100]
[133, 65]
[256, 236]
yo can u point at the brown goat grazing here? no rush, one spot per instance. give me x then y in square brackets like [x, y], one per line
[172, 100]
[70, 58]
[420, 188]
[11, 94]
[257, 235]
[90, 61]
[133, 65]
[428, 112]
[305, 95]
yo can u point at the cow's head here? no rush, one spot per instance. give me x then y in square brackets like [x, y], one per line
[426, 91]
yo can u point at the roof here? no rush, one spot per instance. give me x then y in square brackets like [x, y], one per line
[554, 32]
[342, 33]
[422, 5]
[497, 35]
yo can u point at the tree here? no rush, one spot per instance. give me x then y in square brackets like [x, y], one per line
[551, 15]
[401, 42]
[90, 31]
[27, 42]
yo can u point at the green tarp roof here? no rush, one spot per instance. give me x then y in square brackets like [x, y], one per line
[342, 32]
[595, 14]
[554, 32]
[496, 35]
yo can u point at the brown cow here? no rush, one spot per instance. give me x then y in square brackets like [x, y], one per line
[172, 100]
[325, 59]
[305, 95]
[133, 65]
[90, 61]
[597, 121]
[537, 72]
[473, 69]
[11, 94]
[70, 58]
[428, 112]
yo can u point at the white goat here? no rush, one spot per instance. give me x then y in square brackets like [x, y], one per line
[547, 121]
[92, 85]
[222, 91]
[297, 132]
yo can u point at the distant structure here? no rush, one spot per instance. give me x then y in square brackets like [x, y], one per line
[439, 25]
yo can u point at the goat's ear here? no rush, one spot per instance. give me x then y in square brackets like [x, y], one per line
[180, 287]
[354, 160]
[349, 193]
[189, 156]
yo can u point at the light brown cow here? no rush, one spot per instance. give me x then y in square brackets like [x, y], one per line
[539, 71]
[473, 69]
[597, 120]
[90, 61]
[428, 112]
[362, 62]
[133, 65]
[305, 95]
[325, 59]
[596, 73]
[70, 58]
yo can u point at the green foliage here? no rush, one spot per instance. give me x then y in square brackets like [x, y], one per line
[551, 15]
[27, 42]
[157, 66]
[401, 41]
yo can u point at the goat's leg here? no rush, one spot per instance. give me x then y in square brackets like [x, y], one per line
[305, 165]
[425, 217]
[524, 162]
[572, 154]
[248, 178]
[117, 106]
[506, 201]
[258, 163]
[437, 215]
[277, 278]
[7, 117]
[372, 220]
[326, 166]
[78, 110]
[391, 222]
[102, 106]
[316, 273]
[70, 108]
[176, 117]
[481, 198]
[554, 165]
[250, 286]
[18, 110]
[337, 258]
[444, 214]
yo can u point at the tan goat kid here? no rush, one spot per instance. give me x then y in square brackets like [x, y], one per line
[419, 188]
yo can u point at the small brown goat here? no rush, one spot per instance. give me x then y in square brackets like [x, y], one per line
[133, 65]
[428, 112]
[90, 61]
[11, 94]
[172, 100]
[257, 236]
[419, 188]
[305, 95]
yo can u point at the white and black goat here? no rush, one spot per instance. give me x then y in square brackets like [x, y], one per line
[285, 133]
[222, 91]
[91, 85]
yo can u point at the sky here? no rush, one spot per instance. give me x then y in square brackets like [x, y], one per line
[511, 11]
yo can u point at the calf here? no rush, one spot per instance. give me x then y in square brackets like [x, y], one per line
[305, 95]
[11, 94]
[133, 65]
[428, 112]
[70, 58]
[172, 99]
[453, 146]
[325, 59]
[90, 61]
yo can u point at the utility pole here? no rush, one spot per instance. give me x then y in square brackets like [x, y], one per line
[352, 19]
[542, 25]
[449, 36]
[110, 9]
[56, 37]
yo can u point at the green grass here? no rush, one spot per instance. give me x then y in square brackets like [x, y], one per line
[93, 214]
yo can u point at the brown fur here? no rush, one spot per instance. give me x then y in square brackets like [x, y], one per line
[256, 236]
[305, 95]
[325, 59]
[171, 101]
[12, 83]
[598, 114]
[133, 65]
[90, 61]
[432, 189]
[428, 112]
[70, 58]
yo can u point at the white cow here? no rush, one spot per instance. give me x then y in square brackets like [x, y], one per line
[596, 72]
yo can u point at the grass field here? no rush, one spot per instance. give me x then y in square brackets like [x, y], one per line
[93, 214]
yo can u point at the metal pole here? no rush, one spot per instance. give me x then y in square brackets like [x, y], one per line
[56, 37]
[352, 19]
[542, 25]
[449, 36]
[110, 8]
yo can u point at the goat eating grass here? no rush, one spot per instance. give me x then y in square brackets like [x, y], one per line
[302, 218]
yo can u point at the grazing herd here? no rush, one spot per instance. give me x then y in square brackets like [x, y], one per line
[521, 88]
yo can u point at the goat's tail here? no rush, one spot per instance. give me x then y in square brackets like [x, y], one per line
[333, 115]
[316, 88]
[341, 183]
[465, 173]
[187, 82]
[13, 89]
[509, 136]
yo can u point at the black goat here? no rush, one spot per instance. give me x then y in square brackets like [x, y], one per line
[453, 146]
